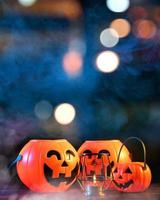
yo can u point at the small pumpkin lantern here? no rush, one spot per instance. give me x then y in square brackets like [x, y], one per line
[99, 155]
[132, 176]
[48, 165]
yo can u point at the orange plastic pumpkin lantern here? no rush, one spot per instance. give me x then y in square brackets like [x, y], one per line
[93, 161]
[48, 165]
[132, 176]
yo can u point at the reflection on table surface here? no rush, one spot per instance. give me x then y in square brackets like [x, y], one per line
[153, 193]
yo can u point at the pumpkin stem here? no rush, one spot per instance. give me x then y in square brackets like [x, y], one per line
[144, 149]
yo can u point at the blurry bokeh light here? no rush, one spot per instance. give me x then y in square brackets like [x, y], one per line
[122, 27]
[43, 110]
[70, 9]
[145, 29]
[157, 14]
[64, 113]
[72, 63]
[137, 12]
[109, 37]
[118, 6]
[27, 2]
[107, 61]
[77, 45]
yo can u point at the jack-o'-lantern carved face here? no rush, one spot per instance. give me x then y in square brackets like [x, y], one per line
[50, 165]
[123, 178]
[131, 177]
[60, 167]
[96, 162]
[100, 156]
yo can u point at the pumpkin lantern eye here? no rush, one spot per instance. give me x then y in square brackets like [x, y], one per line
[89, 153]
[69, 155]
[103, 152]
[128, 171]
[54, 153]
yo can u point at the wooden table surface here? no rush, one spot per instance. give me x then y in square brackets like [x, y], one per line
[153, 193]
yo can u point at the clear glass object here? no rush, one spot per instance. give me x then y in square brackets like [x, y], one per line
[94, 173]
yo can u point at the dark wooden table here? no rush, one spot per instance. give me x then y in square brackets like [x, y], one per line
[153, 193]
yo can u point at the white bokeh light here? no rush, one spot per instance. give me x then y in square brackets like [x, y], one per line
[27, 2]
[109, 37]
[118, 5]
[107, 61]
[64, 113]
[43, 110]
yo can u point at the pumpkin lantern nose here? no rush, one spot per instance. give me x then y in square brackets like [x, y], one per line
[94, 162]
[120, 177]
[64, 164]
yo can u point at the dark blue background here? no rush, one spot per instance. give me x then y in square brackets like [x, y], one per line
[109, 106]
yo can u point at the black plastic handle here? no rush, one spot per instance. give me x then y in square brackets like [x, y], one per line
[144, 149]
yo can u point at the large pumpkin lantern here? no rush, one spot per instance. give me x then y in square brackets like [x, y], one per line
[100, 157]
[132, 176]
[48, 165]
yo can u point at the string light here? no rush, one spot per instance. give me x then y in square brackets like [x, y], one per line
[109, 37]
[64, 113]
[72, 63]
[122, 27]
[43, 110]
[107, 61]
[118, 5]
[27, 2]
[145, 29]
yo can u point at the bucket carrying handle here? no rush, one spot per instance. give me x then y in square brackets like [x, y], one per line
[19, 157]
[143, 146]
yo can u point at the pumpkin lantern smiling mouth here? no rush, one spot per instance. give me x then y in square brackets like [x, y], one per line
[125, 185]
[62, 178]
